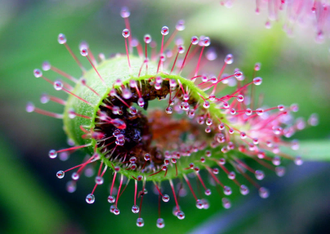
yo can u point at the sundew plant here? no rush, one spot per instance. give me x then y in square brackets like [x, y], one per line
[174, 113]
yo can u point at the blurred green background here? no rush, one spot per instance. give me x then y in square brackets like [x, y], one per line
[33, 200]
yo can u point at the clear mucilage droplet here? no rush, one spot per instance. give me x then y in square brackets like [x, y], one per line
[90, 198]
[140, 222]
